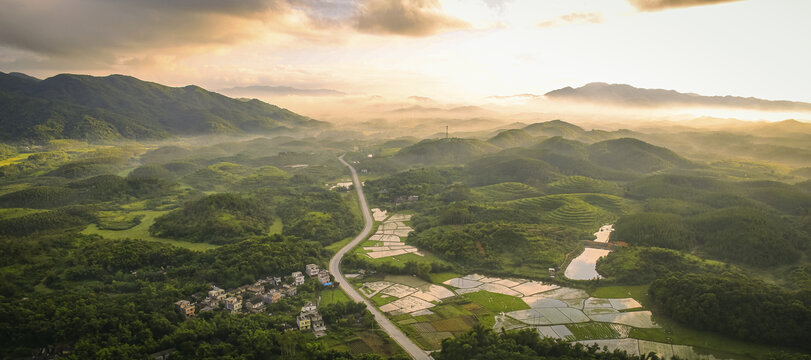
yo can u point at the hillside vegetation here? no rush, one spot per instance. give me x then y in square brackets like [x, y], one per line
[121, 107]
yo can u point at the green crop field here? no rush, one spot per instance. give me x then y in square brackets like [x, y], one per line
[592, 330]
[496, 302]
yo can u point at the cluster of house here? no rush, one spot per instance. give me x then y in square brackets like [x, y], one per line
[309, 318]
[253, 297]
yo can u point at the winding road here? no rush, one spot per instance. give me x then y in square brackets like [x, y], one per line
[335, 268]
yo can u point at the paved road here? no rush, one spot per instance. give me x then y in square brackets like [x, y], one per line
[334, 267]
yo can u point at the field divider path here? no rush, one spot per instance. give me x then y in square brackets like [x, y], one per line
[335, 269]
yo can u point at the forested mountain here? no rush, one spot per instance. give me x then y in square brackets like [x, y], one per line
[123, 107]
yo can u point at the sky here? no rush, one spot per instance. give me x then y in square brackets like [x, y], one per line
[453, 51]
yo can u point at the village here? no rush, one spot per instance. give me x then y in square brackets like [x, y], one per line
[255, 297]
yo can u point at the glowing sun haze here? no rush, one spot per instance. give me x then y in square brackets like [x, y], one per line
[459, 51]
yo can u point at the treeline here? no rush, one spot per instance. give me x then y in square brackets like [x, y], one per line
[101, 188]
[745, 235]
[421, 182]
[315, 213]
[217, 219]
[736, 306]
[641, 265]
[498, 246]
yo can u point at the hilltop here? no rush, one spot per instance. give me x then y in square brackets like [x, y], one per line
[122, 107]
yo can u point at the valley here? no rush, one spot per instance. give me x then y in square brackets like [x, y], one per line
[549, 233]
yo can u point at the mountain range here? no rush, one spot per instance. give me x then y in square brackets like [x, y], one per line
[122, 107]
[627, 95]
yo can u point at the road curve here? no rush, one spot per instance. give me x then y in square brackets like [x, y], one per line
[335, 268]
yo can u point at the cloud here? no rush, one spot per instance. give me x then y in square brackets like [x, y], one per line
[656, 5]
[497, 4]
[573, 18]
[404, 17]
[262, 90]
[422, 99]
[112, 31]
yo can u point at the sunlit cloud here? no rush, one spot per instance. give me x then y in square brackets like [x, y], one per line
[573, 18]
[405, 17]
[655, 5]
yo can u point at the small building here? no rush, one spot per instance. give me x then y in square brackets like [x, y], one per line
[272, 297]
[303, 321]
[256, 288]
[323, 276]
[274, 280]
[312, 270]
[413, 198]
[317, 322]
[255, 305]
[288, 290]
[234, 304]
[216, 293]
[298, 278]
[309, 318]
[162, 355]
[185, 308]
[308, 307]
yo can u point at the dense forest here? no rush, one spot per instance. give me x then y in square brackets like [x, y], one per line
[67, 285]
[736, 305]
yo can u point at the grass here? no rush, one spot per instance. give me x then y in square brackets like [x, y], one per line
[334, 296]
[400, 260]
[276, 227]
[496, 303]
[11, 213]
[439, 278]
[379, 300]
[141, 231]
[15, 159]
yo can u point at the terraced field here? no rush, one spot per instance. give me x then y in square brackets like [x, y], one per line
[506, 191]
[582, 184]
[576, 210]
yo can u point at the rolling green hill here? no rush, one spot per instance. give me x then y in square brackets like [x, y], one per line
[506, 191]
[635, 155]
[444, 151]
[582, 184]
[116, 106]
[584, 211]
[559, 145]
[554, 128]
[512, 138]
